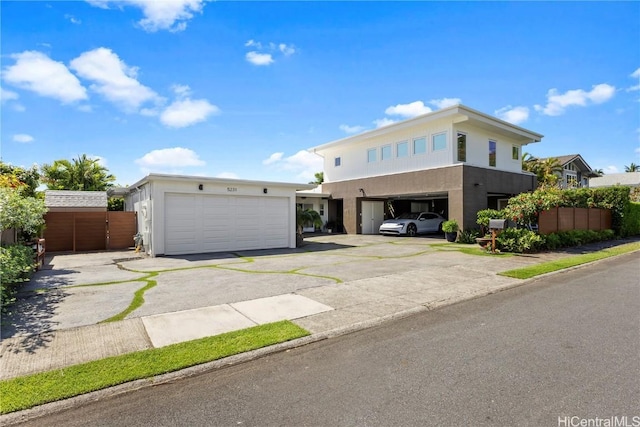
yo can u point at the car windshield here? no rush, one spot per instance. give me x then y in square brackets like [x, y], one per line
[412, 215]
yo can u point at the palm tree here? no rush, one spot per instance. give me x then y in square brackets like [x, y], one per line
[82, 174]
[632, 168]
[598, 172]
[307, 217]
[319, 178]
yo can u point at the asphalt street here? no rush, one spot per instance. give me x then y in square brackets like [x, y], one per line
[567, 345]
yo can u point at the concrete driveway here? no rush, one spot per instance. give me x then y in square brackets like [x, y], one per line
[364, 276]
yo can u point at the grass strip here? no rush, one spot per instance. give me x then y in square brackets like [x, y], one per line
[32, 390]
[548, 267]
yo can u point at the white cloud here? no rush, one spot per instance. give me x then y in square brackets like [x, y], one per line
[171, 15]
[253, 43]
[38, 73]
[7, 95]
[73, 19]
[186, 112]
[259, 58]
[170, 157]
[274, 158]
[351, 129]
[611, 169]
[22, 138]
[287, 50]
[412, 109]
[515, 115]
[383, 122]
[636, 74]
[304, 163]
[228, 175]
[445, 102]
[557, 103]
[114, 79]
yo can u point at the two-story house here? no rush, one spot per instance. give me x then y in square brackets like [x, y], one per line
[575, 171]
[453, 161]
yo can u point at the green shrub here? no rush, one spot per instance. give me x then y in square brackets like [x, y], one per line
[468, 236]
[16, 265]
[570, 238]
[450, 226]
[485, 215]
[631, 220]
[519, 240]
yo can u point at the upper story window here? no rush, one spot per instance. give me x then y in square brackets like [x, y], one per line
[439, 142]
[419, 145]
[372, 155]
[385, 152]
[462, 147]
[402, 149]
[515, 152]
[337, 161]
[492, 153]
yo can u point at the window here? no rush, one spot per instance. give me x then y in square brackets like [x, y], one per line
[515, 153]
[321, 209]
[419, 145]
[371, 155]
[492, 153]
[439, 142]
[402, 149]
[336, 161]
[385, 152]
[462, 147]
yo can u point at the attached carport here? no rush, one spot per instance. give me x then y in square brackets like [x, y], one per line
[188, 214]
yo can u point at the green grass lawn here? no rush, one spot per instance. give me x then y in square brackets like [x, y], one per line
[32, 390]
[572, 261]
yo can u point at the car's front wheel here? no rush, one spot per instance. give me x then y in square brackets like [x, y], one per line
[412, 230]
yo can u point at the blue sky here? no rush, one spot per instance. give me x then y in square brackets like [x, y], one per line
[242, 89]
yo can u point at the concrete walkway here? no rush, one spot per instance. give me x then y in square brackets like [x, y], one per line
[333, 283]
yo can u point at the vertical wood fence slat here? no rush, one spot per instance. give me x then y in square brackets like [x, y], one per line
[565, 219]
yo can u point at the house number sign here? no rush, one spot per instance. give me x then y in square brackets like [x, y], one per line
[232, 189]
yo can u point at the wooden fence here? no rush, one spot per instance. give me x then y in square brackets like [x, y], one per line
[565, 219]
[89, 231]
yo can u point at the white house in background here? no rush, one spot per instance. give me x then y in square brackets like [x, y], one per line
[193, 214]
[629, 179]
[454, 161]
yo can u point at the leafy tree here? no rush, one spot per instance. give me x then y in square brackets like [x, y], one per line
[25, 180]
[17, 211]
[81, 174]
[319, 178]
[115, 204]
[307, 217]
[632, 168]
[548, 171]
[598, 171]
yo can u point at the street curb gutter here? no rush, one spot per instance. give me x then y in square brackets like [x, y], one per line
[62, 405]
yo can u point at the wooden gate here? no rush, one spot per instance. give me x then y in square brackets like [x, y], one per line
[89, 231]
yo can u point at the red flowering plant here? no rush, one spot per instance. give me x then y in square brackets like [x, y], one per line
[525, 208]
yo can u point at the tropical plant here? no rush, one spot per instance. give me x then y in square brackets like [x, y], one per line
[115, 204]
[19, 212]
[450, 226]
[632, 168]
[525, 208]
[485, 215]
[81, 174]
[26, 180]
[307, 217]
[548, 171]
[598, 172]
[319, 178]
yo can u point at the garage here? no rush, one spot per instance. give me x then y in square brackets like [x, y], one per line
[212, 223]
[180, 214]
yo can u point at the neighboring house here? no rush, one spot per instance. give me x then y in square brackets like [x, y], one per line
[629, 179]
[316, 200]
[576, 172]
[194, 214]
[453, 161]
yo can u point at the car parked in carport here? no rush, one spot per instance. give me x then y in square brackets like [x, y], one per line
[412, 224]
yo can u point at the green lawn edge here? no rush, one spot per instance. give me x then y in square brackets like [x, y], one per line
[37, 389]
[561, 264]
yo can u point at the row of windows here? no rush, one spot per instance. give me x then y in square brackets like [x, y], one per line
[438, 142]
[418, 146]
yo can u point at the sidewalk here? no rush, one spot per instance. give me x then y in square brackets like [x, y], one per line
[373, 287]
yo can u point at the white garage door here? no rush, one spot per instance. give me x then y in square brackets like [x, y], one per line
[196, 223]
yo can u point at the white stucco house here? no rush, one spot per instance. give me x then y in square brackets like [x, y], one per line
[453, 161]
[192, 214]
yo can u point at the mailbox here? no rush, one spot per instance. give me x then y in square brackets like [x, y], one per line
[497, 224]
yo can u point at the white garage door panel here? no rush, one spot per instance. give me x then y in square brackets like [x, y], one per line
[207, 223]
